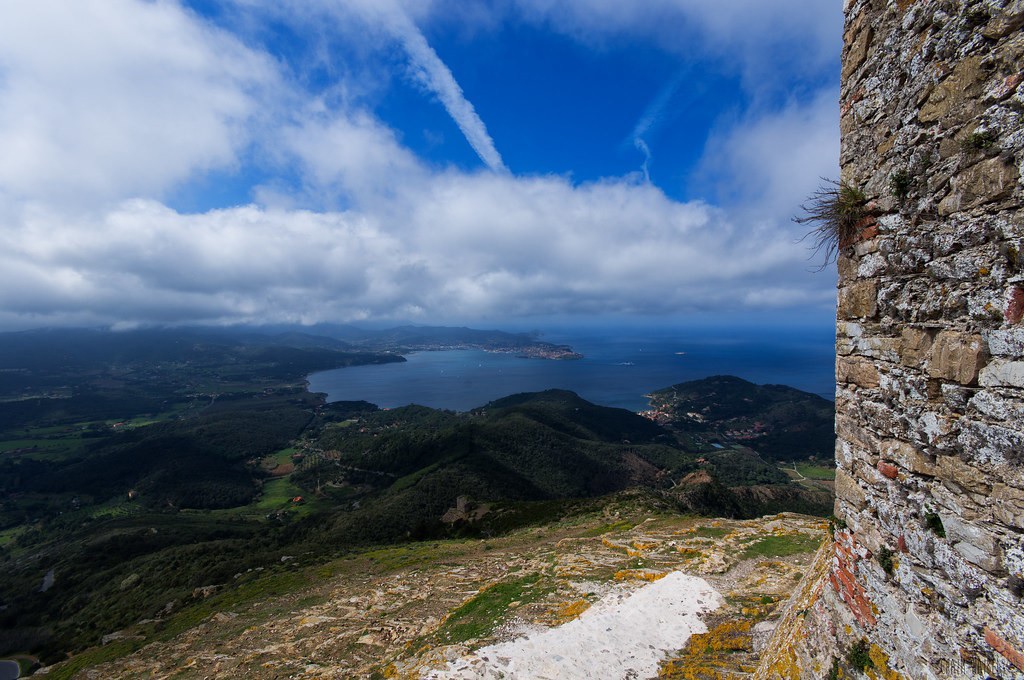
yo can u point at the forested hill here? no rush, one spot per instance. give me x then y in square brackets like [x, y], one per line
[407, 467]
[779, 422]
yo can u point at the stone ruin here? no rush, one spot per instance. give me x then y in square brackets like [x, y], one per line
[925, 577]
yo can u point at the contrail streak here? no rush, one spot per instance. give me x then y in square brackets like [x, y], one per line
[639, 143]
[651, 118]
[437, 77]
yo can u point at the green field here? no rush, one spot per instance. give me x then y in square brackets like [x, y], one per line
[284, 456]
[8, 536]
[277, 494]
[816, 471]
[782, 545]
[43, 447]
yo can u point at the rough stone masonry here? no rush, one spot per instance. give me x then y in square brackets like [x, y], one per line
[927, 567]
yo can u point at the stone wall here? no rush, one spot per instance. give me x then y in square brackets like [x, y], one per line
[928, 566]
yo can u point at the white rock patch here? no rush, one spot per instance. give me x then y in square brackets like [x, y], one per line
[621, 636]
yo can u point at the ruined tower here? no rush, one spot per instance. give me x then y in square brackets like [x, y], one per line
[926, 574]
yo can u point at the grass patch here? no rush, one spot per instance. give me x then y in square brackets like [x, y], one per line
[115, 510]
[900, 183]
[933, 522]
[886, 561]
[781, 546]
[480, 614]
[44, 448]
[93, 657]
[859, 656]
[980, 141]
[284, 456]
[392, 559]
[816, 471]
[412, 478]
[8, 536]
[277, 494]
[834, 210]
[129, 423]
[711, 532]
[607, 529]
[279, 464]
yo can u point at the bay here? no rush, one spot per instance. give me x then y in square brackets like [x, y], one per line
[618, 369]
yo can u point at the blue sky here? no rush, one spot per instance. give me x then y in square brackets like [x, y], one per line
[437, 161]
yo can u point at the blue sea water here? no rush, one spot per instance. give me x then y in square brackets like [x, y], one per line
[618, 369]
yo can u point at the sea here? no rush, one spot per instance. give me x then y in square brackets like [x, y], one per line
[619, 368]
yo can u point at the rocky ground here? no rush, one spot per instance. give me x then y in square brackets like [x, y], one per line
[421, 609]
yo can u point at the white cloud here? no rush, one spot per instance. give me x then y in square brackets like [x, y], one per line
[458, 246]
[349, 156]
[768, 164]
[113, 98]
[144, 95]
[765, 39]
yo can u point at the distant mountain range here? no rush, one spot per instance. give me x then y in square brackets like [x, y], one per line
[76, 348]
[406, 338]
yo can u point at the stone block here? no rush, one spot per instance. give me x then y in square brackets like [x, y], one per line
[847, 268]
[956, 397]
[913, 624]
[1013, 557]
[900, 386]
[973, 543]
[847, 335]
[1008, 505]
[850, 430]
[997, 406]
[956, 504]
[963, 474]
[938, 430]
[1008, 651]
[871, 262]
[880, 347]
[991, 444]
[978, 557]
[957, 356]
[856, 371]
[1004, 23]
[849, 490]
[1006, 343]
[908, 456]
[985, 182]
[846, 453]
[914, 346]
[858, 300]
[857, 51]
[887, 421]
[954, 92]
[1002, 373]
[850, 329]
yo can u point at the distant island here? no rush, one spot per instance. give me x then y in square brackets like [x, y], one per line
[404, 339]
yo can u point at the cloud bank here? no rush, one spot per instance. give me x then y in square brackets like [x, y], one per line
[116, 98]
[144, 97]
